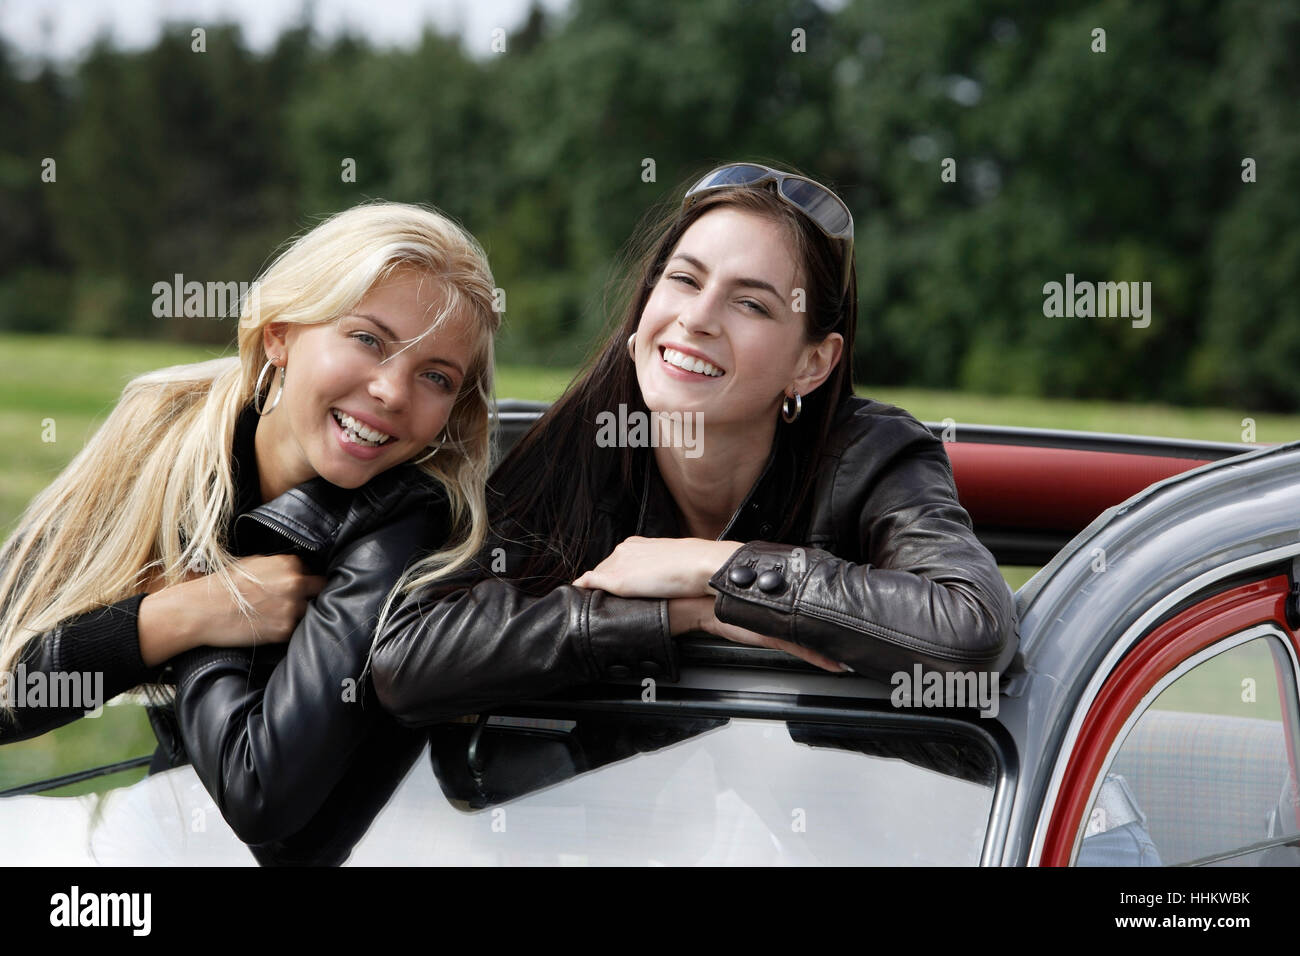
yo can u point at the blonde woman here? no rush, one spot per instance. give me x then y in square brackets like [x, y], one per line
[227, 505]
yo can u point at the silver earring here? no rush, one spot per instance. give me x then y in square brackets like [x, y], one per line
[428, 456]
[785, 408]
[257, 390]
[631, 346]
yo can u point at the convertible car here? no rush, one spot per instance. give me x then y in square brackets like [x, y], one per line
[1150, 717]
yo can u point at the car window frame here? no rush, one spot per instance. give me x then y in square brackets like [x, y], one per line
[1235, 639]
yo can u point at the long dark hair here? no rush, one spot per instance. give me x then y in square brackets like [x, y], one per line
[545, 490]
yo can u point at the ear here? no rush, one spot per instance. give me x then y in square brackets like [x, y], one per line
[275, 341]
[817, 363]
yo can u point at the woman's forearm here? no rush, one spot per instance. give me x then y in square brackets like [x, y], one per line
[202, 611]
[921, 588]
[167, 626]
[491, 642]
[877, 620]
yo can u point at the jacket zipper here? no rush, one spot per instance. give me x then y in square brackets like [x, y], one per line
[280, 529]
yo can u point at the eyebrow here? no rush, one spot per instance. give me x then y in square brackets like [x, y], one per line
[746, 283]
[392, 336]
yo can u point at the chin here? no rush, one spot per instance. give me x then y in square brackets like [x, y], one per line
[669, 400]
[683, 407]
[348, 475]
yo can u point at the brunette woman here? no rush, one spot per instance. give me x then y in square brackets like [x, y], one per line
[800, 517]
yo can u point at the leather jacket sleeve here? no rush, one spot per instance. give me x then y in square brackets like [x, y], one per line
[345, 817]
[272, 748]
[99, 651]
[480, 641]
[924, 589]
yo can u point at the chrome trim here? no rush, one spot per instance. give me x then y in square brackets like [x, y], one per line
[766, 680]
[1000, 810]
[1252, 633]
[1121, 647]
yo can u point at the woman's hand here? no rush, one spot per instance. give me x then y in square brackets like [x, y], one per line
[696, 614]
[201, 611]
[659, 567]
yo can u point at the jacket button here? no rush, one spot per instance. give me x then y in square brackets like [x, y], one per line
[649, 667]
[617, 670]
[765, 530]
[742, 577]
[770, 581]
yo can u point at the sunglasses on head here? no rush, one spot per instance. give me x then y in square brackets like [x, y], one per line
[826, 210]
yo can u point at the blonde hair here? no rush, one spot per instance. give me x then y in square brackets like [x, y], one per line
[151, 493]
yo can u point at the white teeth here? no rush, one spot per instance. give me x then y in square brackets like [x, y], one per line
[358, 433]
[690, 363]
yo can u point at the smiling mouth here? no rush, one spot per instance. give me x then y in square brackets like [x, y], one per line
[689, 363]
[357, 433]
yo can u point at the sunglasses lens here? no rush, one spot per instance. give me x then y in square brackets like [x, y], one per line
[821, 206]
[742, 174]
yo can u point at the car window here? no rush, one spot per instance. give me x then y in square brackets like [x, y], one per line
[1206, 774]
[611, 789]
[594, 787]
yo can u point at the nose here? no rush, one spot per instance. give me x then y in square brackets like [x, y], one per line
[390, 386]
[699, 314]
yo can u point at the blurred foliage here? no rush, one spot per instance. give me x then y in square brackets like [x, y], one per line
[1123, 165]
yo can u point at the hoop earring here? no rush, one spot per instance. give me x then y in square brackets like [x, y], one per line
[631, 346]
[785, 408]
[257, 390]
[428, 456]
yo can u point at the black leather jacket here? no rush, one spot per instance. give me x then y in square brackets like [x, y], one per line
[882, 571]
[287, 739]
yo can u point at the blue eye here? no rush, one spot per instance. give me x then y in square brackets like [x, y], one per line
[439, 379]
[366, 339]
[754, 306]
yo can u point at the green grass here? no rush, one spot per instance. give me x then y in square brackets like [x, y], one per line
[1167, 421]
[73, 383]
[121, 732]
[63, 388]
[1216, 686]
